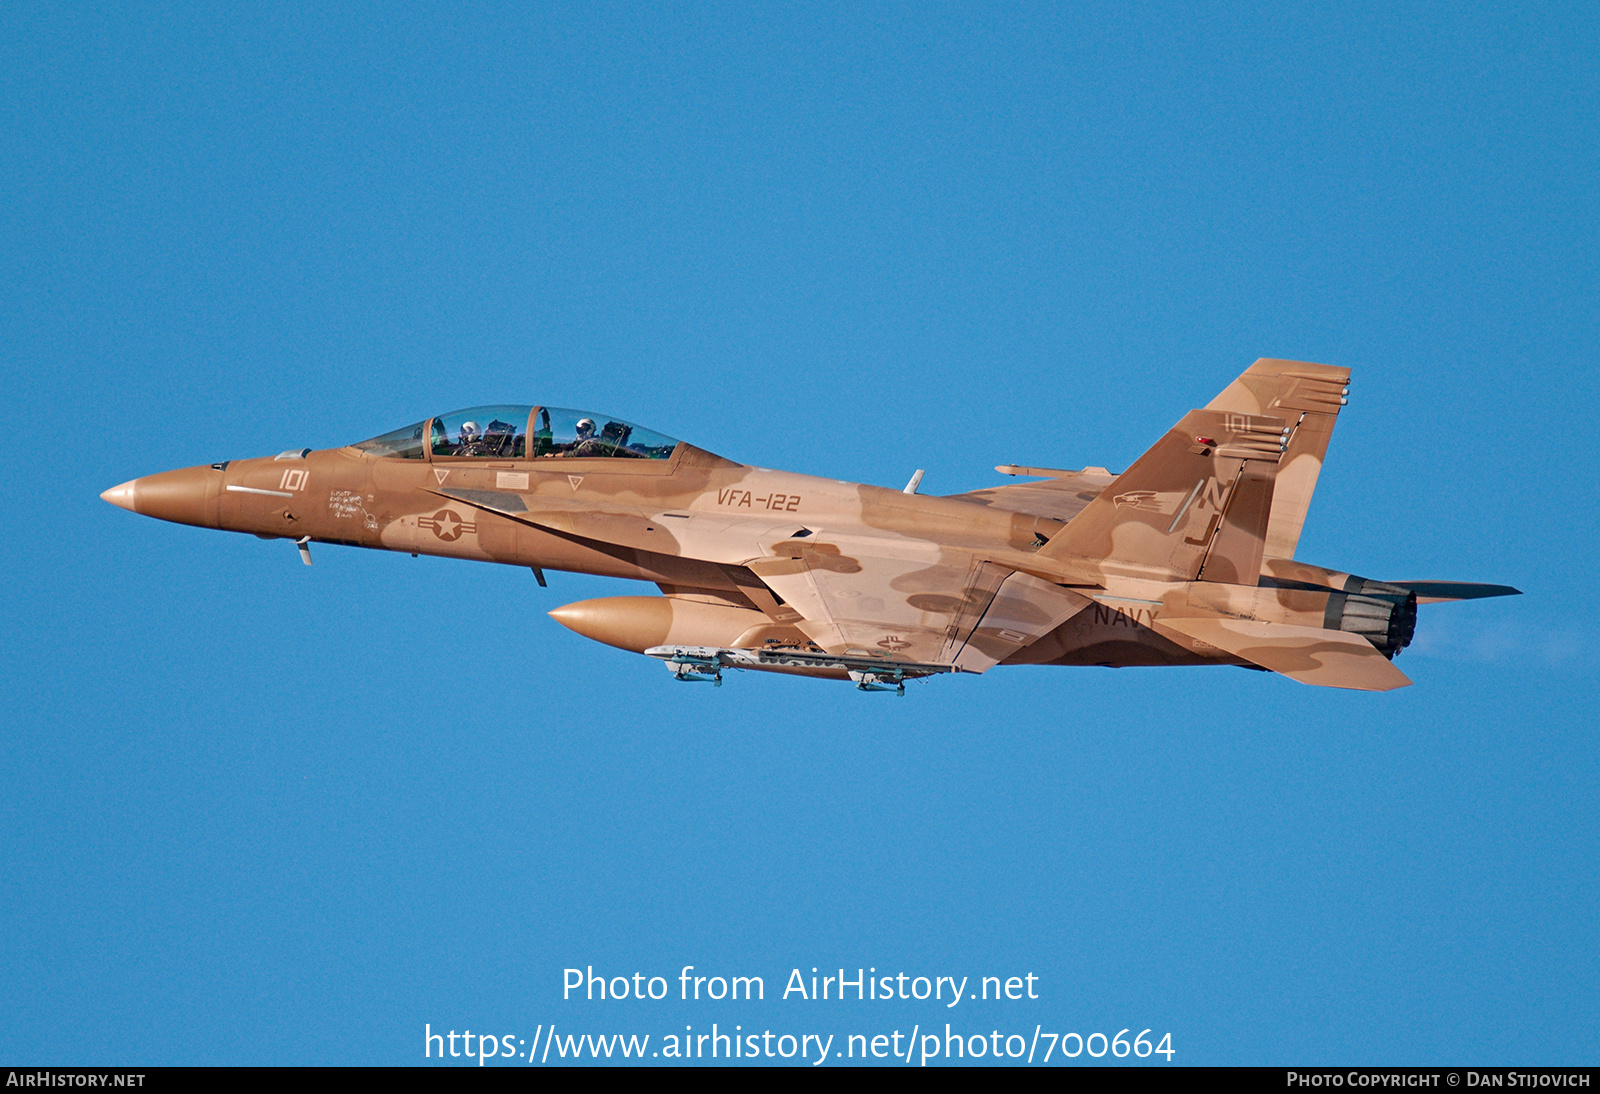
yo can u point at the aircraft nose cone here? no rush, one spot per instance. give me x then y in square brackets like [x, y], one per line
[121, 496]
[188, 496]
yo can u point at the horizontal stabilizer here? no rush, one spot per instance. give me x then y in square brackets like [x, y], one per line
[1311, 655]
[1439, 592]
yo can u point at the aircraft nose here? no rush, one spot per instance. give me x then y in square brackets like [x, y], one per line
[188, 496]
[121, 496]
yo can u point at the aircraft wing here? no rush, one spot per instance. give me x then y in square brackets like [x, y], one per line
[861, 596]
[905, 599]
[1023, 609]
[1062, 496]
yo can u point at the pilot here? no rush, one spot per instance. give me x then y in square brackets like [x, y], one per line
[585, 444]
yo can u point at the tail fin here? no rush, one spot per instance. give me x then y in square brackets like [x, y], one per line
[1196, 506]
[1308, 397]
[1440, 592]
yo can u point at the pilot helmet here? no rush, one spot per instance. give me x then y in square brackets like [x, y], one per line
[585, 426]
[469, 431]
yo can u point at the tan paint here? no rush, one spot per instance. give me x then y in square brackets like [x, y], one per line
[1186, 558]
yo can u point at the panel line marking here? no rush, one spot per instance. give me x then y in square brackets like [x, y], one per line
[258, 490]
[1184, 508]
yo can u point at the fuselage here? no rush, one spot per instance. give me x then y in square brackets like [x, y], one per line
[724, 541]
[1185, 558]
[427, 506]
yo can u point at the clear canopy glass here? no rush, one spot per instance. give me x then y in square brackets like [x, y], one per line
[405, 444]
[484, 432]
[501, 432]
[580, 434]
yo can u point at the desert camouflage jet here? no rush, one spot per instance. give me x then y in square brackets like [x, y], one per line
[1187, 558]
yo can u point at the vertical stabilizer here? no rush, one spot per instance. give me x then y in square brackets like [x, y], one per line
[1308, 398]
[1196, 506]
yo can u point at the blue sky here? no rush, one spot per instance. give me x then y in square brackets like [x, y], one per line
[254, 812]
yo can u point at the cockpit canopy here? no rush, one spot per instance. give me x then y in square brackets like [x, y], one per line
[503, 432]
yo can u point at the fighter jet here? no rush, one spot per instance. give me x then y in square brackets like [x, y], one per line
[1186, 558]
